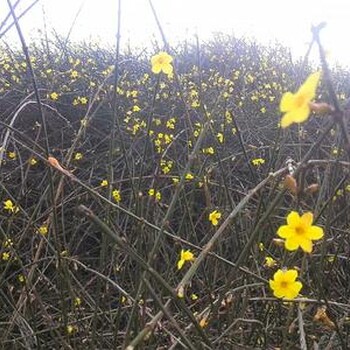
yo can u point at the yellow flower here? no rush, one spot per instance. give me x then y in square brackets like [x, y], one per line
[6, 256]
[170, 124]
[175, 180]
[8, 243]
[214, 217]
[8, 205]
[296, 106]
[284, 284]
[299, 232]
[116, 195]
[194, 297]
[32, 161]
[220, 137]
[54, 96]
[158, 196]
[166, 169]
[104, 183]
[189, 176]
[203, 322]
[77, 301]
[330, 258]
[74, 74]
[71, 329]
[181, 292]
[21, 278]
[78, 156]
[185, 255]
[12, 155]
[209, 150]
[270, 262]
[162, 63]
[84, 122]
[258, 161]
[43, 230]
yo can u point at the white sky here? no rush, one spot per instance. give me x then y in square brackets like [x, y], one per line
[267, 20]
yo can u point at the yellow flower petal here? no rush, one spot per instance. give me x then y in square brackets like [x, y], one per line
[295, 116]
[187, 255]
[285, 231]
[291, 275]
[287, 102]
[307, 219]
[168, 69]
[287, 120]
[301, 114]
[291, 243]
[278, 275]
[306, 245]
[293, 218]
[293, 290]
[308, 89]
[315, 232]
[180, 263]
[156, 68]
[279, 293]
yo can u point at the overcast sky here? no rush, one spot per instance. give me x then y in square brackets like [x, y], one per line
[286, 21]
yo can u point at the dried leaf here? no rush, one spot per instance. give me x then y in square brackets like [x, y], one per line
[322, 317]
[321, 108]
[291, 184]
[55, 164]
[313, 188]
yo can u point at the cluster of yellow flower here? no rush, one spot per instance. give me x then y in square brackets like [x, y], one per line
[161, 140]
[80, 100]
[115, 193]
[7, 244]
[10, 207]
[166, 166]
[299, 231]
[156, 194]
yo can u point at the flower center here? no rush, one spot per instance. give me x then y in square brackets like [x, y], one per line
[284, 284]
[300, 101]
[299, 230]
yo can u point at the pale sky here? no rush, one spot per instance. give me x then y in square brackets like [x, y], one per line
[288, 22]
